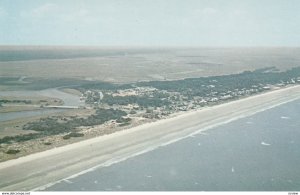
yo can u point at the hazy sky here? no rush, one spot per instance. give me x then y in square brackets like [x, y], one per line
[151, 22]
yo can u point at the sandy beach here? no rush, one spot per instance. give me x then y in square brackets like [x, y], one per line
[38, 170]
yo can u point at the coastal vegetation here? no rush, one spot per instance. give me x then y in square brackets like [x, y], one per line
[123, 104]
[171, 96]
[12, 151]
[73, 134]
[54, 125]
[15, 101]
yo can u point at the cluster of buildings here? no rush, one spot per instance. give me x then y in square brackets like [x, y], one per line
[177, 101]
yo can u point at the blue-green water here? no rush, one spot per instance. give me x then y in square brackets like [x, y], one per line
[257, 153]
[68, 99]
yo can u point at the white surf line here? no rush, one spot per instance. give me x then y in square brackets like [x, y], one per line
[90, 141]
[265, 144]
[120, 159]
[232, 169]
[242, 116]
[95, 140]
[114, 161]
[285, 117]
[105, 164]
[67, 181]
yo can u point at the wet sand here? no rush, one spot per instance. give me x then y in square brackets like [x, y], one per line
[255, 153]
[43, 169]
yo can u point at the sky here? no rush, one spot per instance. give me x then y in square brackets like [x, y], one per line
[150, 22]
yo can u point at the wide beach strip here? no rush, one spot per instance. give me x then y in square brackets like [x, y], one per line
[43, 169]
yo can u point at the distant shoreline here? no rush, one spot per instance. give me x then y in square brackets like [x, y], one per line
[70, 160]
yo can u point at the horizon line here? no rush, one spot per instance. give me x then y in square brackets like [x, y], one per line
[145, 46]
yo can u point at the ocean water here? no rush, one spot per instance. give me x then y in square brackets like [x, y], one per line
[256, 153]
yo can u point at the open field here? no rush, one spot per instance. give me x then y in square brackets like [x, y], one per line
[50, 166]
[139, 64]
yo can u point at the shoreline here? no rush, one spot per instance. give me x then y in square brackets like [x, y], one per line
[121, 145]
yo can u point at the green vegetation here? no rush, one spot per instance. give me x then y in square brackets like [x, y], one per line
[124, 124]
[13, 83]
[154, 99]
[99, 85]
[132, 112]
[168, 93]
[144, 101]
[15, 101]
[19, 138]
[161, 98]
[55, 126]
[12, 151]
[203, 86]
[73, 134]
[123, 120]
[52, 126]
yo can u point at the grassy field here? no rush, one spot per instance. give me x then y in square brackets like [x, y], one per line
[122, 65]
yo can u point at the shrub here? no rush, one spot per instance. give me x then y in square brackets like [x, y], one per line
[132, 112]
[73, 134]
[12, 151]
[123, 120]
[124, 124]
[66, 136]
